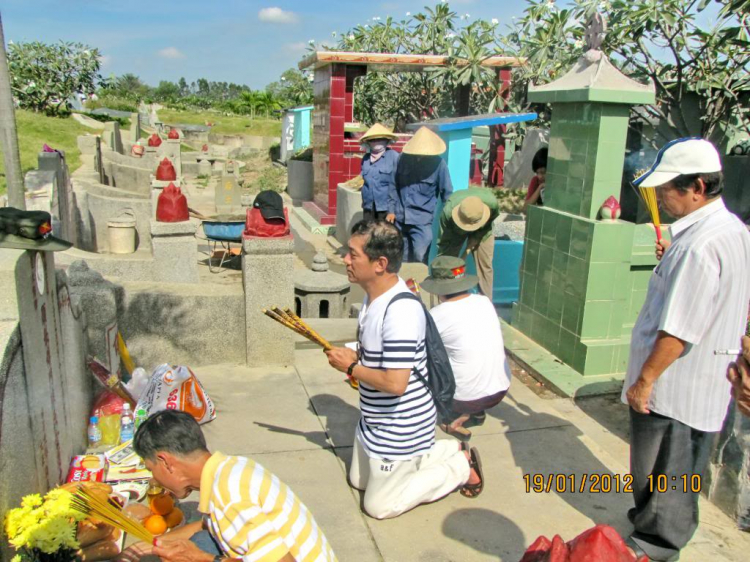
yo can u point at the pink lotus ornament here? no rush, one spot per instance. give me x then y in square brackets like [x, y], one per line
[610, 210]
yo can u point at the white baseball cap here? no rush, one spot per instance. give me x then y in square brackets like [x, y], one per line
[682, 156]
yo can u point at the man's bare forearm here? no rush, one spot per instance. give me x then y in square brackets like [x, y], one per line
[392, 381]
[666, 351]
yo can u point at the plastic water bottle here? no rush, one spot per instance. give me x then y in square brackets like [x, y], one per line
[141, 414]
[127, 426]
[95, 434]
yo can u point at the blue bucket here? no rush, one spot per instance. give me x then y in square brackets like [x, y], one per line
[224, 231]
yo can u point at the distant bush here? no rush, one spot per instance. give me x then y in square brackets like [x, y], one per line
[112, 102]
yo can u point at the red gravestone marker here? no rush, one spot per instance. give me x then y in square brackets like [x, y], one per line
[166, 171]
[173, 134]
[154, 140]
[172, 205]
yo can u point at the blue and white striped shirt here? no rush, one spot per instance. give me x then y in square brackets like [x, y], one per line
[395, 427]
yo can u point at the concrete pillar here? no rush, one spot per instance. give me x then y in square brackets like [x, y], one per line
[41, 334]
[62, 206]
[135, 127]
[112, 136]
[175, 251]
[268, 280]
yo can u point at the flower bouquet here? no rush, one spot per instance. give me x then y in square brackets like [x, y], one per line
[44, 529]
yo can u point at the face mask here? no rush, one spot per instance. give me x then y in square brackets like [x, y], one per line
[376, 147]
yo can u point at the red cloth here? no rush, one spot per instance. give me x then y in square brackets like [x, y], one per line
[533, 184]
[154, 140]
[256, 225]
[173, 134]
[597, 544]
[172, 205]
[166, 171]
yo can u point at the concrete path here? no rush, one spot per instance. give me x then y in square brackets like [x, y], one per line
[299, 423]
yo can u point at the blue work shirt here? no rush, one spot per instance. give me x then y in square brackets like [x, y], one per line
[420, 180]
[379, 177]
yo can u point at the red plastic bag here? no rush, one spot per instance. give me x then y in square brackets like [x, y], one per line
[166, 171]
[172, 205]
[107, 404]
[154, 140]
[256, 225]
[173, 134]
[598, 544]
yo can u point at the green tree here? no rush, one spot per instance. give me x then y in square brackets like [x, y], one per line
[293, 88]
[44, 76]
[658, 40]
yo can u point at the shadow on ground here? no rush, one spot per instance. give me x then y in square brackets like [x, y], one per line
[469, 526]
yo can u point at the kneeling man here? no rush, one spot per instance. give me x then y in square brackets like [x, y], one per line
[396, 460]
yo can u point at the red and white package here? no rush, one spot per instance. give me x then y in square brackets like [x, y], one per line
[86, 468]
[175, 387]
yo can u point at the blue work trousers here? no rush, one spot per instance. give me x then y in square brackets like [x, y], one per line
[417, 240]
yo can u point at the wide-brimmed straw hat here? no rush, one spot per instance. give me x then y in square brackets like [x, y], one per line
[448, 277]
[378, 131]
[424, 143]
[28, 230]
[472, 214]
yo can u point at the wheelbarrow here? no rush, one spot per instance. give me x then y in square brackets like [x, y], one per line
[222, 232]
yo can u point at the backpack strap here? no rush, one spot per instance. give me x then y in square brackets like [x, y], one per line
[411, 296]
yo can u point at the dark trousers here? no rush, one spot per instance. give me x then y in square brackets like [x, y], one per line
[204, 541]
[417, 240]
[665, 521]
[370, 214]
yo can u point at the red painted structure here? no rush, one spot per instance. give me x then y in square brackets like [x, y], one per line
[337, 155]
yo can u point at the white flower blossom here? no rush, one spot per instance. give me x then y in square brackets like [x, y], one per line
[367, 25]
[461, 17]
[550, 4]
[408, 14]
[283, 79]
[495, 21]
[351, 37]
[311, 41]
[450, 36]
[467, 16]
[578, 44]
[333, 34]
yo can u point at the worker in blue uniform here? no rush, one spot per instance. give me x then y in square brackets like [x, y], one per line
[378, 171]
[421, 178]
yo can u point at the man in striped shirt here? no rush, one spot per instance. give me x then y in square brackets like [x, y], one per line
[248, 512]
[396, 460]
[675, 385]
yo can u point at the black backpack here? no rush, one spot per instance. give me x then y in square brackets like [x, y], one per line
[441, 383]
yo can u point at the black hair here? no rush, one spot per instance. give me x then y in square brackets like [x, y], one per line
[382, 239]
[540, 159]
[713, 181]
[171, 431]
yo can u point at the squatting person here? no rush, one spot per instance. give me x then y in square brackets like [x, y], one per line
[676, 386]
[395, 461]
[248, 513]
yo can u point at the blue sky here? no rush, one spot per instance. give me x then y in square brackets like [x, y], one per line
[247, 42]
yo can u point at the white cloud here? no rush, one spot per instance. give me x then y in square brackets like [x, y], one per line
[295, 47]
[171, 53]
[277, 15]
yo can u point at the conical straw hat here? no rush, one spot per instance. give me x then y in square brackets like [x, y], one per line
[378, 131]
[424, 143]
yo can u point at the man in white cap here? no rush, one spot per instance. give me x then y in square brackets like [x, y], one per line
[675, 385]
[421, 178]
[467, 219]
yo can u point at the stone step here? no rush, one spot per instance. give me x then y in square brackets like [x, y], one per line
[338, 331]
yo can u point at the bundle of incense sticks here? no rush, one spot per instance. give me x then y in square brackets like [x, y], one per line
[110, 513]
[649, 199]
[289, 319]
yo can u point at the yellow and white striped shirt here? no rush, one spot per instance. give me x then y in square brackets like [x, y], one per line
[255, 516]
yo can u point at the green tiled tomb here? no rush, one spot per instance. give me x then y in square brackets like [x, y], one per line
[583, 280]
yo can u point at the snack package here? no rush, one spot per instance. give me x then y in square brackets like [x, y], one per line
[86, 468]
[175, 387]
[108, 406]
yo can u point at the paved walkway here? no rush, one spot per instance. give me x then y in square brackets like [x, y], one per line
[299, 422]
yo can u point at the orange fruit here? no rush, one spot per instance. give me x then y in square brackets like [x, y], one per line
[174, 518]
[163, 504]
[155, 525]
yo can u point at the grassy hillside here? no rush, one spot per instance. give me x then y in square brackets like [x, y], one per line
[223, 124]
[34, 130]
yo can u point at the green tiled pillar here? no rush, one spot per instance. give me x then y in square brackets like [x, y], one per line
[586, 156]
[579, 284]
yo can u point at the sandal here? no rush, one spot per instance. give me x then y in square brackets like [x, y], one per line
[460, 433]
[475, 420]
[472, 491]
